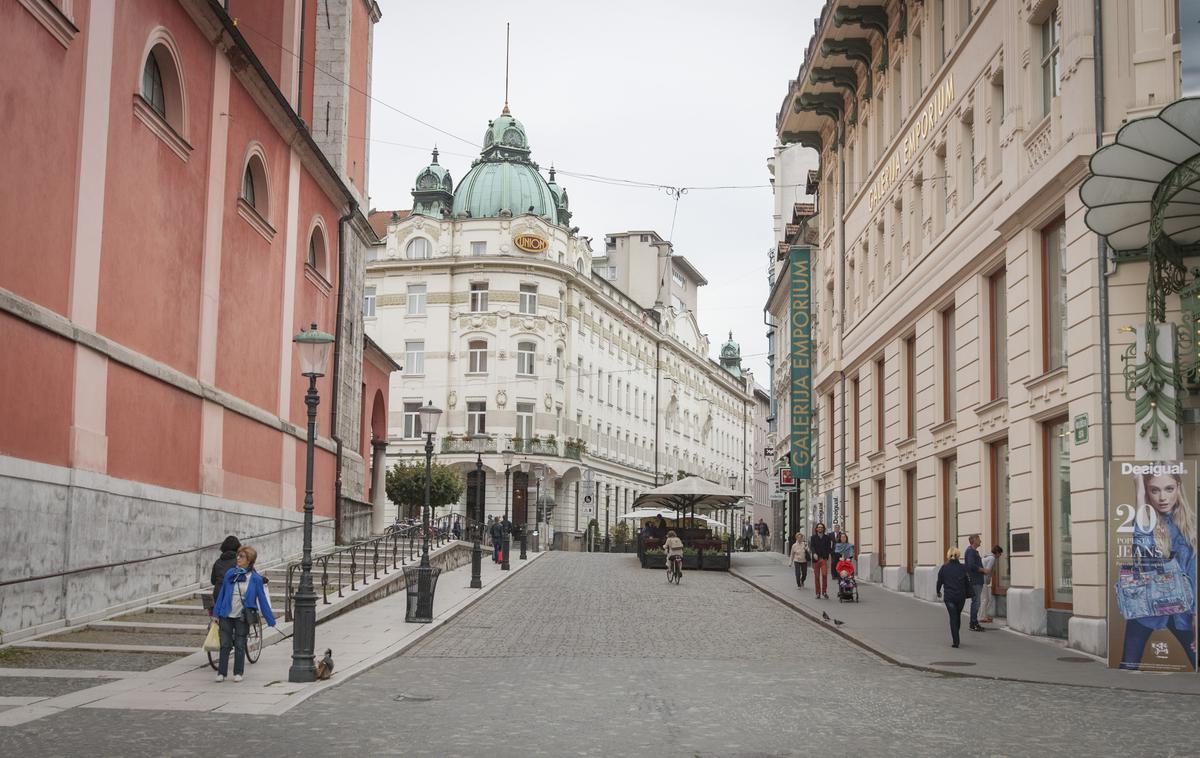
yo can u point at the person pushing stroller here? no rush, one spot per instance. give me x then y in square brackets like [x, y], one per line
[847, 586]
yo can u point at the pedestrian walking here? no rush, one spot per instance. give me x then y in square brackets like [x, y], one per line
[456, 530]
[747, 535]
[765, 534]
[227, 561]
[836, 536]
[953, 587]
[973, 563]
[241, 601]
[799, 559]
[820, 545]
[496, 530]
[990, 562]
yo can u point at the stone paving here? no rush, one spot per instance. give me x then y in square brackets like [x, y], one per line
[590, 655]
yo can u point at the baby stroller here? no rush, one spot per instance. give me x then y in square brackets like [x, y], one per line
[847, 591]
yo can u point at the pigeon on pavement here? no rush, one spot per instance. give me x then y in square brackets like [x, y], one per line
[824, 615]
[838, 622]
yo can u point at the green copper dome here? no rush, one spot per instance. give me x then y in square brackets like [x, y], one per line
[504, 179]
[433, 190]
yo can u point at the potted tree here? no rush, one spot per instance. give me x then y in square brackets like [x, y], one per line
[622, 538]
[406, 486]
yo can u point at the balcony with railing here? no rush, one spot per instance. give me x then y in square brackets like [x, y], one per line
[458, 443]
[534, 446]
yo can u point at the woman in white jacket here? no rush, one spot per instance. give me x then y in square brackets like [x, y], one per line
[799, 559]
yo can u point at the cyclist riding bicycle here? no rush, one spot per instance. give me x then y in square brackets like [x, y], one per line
[674, 549]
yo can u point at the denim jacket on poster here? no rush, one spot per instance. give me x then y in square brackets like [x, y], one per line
[1181, 551]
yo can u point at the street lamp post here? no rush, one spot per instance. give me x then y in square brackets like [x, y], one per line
[507, 457]
[729, 514]
[480, 443]
[312, 348]
[425, 575]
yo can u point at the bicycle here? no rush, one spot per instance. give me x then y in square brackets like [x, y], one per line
[674, 568]
[254, 637]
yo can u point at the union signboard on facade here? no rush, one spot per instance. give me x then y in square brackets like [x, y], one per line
[531, 243]
[800, 349]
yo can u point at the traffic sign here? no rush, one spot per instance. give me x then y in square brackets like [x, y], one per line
[588, 507]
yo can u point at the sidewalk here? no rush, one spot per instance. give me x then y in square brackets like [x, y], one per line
[915, 633]
[360, 639]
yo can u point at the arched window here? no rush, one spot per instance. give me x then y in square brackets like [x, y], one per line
[152, 86]
[526, 353]
[254, 183]
[579, 265]
[317, 249]
[248, 187]
[162, 82]
[419, 249]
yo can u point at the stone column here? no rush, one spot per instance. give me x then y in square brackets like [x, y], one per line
[379, 500]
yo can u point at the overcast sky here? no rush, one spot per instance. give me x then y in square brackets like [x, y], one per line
[662, 91]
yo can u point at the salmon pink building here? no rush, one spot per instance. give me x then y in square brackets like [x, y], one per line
[183, 184]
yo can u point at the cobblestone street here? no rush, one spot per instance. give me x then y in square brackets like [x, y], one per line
[590, 655]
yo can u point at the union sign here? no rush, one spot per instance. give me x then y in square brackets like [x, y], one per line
[531, 243]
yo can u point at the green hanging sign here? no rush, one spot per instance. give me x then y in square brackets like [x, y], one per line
[800, 341]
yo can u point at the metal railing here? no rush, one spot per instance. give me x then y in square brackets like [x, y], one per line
[389, 552]
[534, 446]
[460, 445]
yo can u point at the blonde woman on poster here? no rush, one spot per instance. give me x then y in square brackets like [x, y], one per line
[1166, 531]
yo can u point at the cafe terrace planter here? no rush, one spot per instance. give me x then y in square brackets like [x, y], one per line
[654, 561]
[714, 561]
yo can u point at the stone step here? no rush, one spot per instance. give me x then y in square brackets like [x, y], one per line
[141, 627]
[110, 647]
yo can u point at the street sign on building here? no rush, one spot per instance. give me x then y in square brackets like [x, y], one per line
[587, 507]
[787, 482]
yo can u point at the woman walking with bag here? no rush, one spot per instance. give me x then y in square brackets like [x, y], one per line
[240, 601]
[799, 559]
[954, 587]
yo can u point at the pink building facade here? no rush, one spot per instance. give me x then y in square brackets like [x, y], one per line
[152, 398]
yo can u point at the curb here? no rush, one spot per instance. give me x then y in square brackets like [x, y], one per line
[932, 669]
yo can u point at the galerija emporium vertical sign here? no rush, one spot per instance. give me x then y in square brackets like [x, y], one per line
[800, 337]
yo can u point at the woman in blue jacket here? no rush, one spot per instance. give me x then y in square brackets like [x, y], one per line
[241, 589]
[1173, 536]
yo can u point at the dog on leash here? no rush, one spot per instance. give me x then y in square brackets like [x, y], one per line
[325, 665]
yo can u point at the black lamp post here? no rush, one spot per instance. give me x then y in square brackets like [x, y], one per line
[480, 443]
[507, 457]
[424, 574]
[312, 350]
[733, 478]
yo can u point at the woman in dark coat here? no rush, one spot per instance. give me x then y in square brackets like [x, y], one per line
[227, 561]
[954, 587]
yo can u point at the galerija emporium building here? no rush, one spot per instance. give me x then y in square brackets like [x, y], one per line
[968, 327]
[502, 315]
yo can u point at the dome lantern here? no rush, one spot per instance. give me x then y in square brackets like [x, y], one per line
[433, 191]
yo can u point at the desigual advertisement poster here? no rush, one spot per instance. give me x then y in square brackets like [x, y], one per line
[1152, 550]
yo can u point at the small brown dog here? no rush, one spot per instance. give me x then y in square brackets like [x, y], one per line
[325, 665]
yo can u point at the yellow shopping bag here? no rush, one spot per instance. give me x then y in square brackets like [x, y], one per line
[212, 642]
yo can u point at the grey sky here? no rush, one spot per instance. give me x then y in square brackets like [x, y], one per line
[676, 93]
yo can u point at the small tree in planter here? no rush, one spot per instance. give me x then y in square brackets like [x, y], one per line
[406, 486]
[594, 528]
[620, 533]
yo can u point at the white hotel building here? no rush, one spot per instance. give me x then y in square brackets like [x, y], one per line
[500, 314]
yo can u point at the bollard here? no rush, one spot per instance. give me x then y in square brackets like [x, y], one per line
[504, 556]
[476, 566]
[524, 544]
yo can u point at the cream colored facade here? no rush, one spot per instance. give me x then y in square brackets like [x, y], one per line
[958, 325]
[630, 380]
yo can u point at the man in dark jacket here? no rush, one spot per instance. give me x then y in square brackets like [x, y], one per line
[227, 561]
[497, 533]
[973, 563]
[954, 587]
[820, 545]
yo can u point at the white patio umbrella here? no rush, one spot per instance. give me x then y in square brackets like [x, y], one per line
[668, 513]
